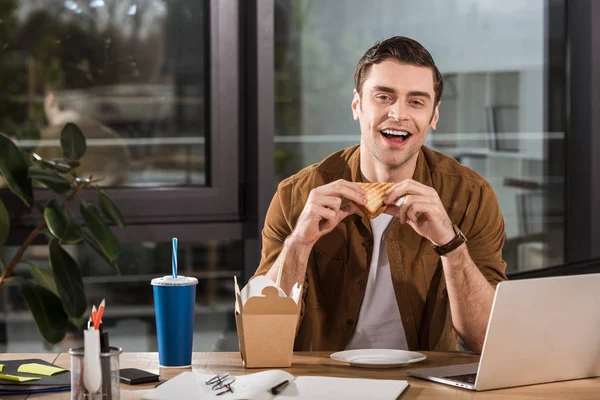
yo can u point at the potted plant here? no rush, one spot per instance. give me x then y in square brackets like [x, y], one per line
[56, 296]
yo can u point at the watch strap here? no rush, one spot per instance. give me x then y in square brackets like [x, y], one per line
[452, 244]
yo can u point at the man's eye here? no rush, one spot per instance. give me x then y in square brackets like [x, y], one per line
[383, 97]
[417, 102]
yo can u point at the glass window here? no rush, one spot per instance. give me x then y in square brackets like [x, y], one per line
[129, 314]
[133, 75]
[491, 115]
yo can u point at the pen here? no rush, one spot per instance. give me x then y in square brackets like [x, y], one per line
[279, 388]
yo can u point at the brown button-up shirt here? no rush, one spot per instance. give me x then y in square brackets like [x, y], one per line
[338, 267]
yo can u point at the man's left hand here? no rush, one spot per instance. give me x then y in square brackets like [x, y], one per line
[422, 209]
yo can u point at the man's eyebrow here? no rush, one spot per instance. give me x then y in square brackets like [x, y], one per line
[385, 89]
[414, 93]
[419, 94]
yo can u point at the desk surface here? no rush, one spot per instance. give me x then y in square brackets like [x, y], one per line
[319, 363]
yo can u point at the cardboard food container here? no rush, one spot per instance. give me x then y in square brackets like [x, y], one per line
[266, 322]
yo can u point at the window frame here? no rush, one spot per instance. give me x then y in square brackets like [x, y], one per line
[147, 210]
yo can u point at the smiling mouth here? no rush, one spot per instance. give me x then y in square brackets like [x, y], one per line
[395, 136]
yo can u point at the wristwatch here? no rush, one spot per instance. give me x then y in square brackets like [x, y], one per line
[451, 245]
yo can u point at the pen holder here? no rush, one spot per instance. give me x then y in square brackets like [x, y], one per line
[109, 364]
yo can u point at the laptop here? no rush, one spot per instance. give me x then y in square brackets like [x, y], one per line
[540, 330]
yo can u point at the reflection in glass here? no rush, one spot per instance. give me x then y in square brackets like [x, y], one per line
[129, 313]
[131, 74]
[491, 115]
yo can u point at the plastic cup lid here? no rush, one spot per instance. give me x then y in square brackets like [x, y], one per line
[168, 280]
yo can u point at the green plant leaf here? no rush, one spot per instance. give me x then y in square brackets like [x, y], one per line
[68, 280]
[72, 142]
[4, 224]
[91, 241]
[14, 169]
[103, 235]
[43, 276]
[62, 222]
[57, 166]
[47, 310]
[110, 209]
[51, 179]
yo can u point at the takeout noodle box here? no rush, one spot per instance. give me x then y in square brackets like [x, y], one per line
[266, 322]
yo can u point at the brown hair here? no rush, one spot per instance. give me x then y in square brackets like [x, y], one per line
[403, 50]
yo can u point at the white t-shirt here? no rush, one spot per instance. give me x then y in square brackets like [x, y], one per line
[379, 325]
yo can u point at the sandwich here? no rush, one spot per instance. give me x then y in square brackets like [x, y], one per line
[375, 194]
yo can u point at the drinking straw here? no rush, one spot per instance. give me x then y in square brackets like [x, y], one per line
[174, 258]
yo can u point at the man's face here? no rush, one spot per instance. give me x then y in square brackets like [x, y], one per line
[395, 111]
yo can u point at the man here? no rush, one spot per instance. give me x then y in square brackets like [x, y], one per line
[109, 160]
[405, 279]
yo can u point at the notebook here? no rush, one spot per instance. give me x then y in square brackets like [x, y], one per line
[192, 385]
[44, 384]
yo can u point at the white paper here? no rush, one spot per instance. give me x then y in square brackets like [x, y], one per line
[326, 388]
[256, 286]
[192, 386]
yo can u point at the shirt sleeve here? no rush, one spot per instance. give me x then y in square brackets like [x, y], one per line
[276, 230]
[486, 237]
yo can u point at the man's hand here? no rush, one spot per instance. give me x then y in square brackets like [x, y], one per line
[324, 210]
[422, 210]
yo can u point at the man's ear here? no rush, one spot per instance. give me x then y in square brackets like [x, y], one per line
[435, 117]
[355, 105]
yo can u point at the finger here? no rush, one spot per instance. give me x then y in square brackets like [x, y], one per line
[344, 211]
[403, 204]
[406, 187]
[324, 213]
[341, 188]
[352, 185]
[400, 212]
[416, 210]
[343, 183]
[332, 202]
[317, 212]
[348, 209]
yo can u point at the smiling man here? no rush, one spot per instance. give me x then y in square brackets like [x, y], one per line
[420, 276]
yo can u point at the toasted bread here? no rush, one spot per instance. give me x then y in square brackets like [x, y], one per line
[375, 196]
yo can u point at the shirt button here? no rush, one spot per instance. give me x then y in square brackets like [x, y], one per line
[362, 284]
[350, 322]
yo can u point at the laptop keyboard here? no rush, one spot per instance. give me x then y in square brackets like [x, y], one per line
[467, 378]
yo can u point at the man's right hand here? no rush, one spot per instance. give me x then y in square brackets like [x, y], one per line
[323, 210]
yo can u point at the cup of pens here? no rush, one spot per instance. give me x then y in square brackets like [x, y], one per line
[174, 306]
[95, 366]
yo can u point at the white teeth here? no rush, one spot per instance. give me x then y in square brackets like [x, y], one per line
[397, 133]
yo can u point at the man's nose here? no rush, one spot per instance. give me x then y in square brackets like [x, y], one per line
[398, 111]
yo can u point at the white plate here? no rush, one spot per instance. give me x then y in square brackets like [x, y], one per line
[378, 358]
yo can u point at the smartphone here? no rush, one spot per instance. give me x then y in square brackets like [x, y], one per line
[134, 376]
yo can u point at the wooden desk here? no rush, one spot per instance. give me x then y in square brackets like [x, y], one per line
[319, 363]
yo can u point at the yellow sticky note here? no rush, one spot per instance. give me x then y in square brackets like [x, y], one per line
[40, 369]
[16, 378]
